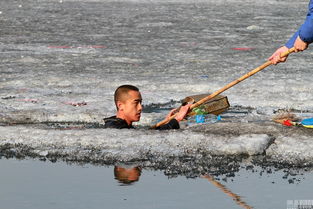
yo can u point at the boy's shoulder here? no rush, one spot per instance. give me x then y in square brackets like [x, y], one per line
[114, 122]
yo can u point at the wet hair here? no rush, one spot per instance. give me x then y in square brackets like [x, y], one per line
[121, 90]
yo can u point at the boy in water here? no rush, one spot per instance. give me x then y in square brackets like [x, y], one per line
[300, 40]
[128, 100]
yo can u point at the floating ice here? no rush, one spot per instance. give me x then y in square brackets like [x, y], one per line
[294, 149]
[292, 146]
[128, 145]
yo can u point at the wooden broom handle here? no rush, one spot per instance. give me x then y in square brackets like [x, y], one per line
[247, 75]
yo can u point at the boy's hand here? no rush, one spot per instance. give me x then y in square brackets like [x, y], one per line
[275, 58]
[172, 112]
[182, 112]
[300, 45]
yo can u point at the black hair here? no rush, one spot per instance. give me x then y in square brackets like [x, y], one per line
[124, 89]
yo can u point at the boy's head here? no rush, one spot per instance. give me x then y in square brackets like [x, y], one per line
[127, 175]
[128, 103]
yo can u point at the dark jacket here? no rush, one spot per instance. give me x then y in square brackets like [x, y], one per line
[114, 122]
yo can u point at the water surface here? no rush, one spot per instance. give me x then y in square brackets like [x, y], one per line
[33, 184]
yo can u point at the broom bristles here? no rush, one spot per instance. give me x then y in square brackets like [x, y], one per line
[285, 116]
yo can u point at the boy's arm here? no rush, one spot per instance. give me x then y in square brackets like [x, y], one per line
[174, 123]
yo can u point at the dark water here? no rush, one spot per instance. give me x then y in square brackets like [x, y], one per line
[35, 184]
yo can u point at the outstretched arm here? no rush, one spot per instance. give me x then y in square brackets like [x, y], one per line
[300, 40]
[174, 123]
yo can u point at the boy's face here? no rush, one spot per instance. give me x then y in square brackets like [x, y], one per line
[127, 175]
[130, 108]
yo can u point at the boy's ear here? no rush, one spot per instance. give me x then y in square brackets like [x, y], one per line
[119, 105]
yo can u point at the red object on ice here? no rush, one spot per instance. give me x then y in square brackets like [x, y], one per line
[288, 123]
[242, 48]
[29, 100]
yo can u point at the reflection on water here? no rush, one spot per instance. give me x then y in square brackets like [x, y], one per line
[127, 176]
[224, 189]
[32, 184]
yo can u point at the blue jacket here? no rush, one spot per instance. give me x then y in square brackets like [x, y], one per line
[306, 30]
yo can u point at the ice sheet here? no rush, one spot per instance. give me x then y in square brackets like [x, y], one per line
[128, 145]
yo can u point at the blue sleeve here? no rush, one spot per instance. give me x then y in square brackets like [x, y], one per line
[292, 40]
[306, 30]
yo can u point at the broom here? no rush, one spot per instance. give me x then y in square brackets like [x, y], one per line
[249, 74]
[290, 119]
